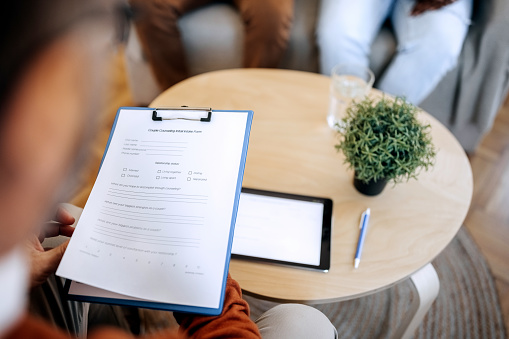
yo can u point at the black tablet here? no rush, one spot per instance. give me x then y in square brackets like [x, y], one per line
[283, 228]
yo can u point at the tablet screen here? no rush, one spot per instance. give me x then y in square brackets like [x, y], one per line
[283, 228]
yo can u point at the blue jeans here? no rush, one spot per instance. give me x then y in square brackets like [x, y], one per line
[428, 44]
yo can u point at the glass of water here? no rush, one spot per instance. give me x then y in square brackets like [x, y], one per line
[349, 82]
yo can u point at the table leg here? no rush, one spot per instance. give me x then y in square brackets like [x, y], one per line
[427, 284]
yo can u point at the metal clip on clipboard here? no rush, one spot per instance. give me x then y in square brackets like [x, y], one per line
[202, 114]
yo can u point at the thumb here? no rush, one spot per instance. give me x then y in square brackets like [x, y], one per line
[43, 264]
[53, 257]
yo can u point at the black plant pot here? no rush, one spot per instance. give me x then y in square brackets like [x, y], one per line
[371, 188]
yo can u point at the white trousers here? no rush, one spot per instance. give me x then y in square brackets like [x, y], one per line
[295, 321]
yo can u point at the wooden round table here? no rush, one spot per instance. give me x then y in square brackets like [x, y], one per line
[291, 150]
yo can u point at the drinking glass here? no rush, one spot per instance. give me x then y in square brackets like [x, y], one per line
[349, 82]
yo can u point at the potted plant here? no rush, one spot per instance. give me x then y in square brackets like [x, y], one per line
[383, 141]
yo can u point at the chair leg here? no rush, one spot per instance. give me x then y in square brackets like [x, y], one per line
[427, 284]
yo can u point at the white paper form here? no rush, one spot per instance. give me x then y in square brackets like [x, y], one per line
[157, 222]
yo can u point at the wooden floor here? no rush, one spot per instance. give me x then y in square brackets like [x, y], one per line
[487, 220]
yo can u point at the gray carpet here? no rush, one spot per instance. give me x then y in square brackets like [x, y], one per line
[467, 306]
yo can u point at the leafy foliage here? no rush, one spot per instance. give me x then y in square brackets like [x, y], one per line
[384, 139]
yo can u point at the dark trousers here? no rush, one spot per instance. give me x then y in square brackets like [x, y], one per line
[267, 28]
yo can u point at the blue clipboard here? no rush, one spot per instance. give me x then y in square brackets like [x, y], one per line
[165, 115]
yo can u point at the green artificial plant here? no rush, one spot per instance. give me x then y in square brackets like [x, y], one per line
[383, 140]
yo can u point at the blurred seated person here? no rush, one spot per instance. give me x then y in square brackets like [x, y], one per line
[429, 34]
[53, 64]
[267, 29]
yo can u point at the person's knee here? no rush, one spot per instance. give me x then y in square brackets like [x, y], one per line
[346, 42]
[337, 36]
[269, 21]
[440, 52]
[343, 48]
[437, 40]
[155, 14]
[295, 321]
